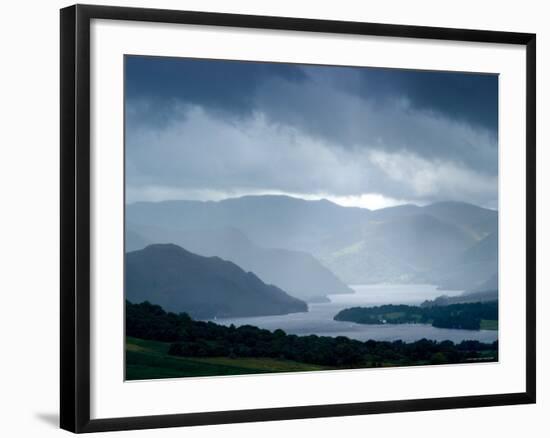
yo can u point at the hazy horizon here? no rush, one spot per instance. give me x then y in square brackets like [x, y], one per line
[310, 198]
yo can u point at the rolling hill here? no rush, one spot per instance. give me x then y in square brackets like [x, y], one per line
[204, 287]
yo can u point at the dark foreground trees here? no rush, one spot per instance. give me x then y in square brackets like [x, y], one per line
[191, 338]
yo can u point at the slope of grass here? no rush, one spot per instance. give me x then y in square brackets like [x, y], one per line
[150, 360]
[489, 324]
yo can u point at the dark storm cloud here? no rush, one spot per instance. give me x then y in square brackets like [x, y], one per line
[472, 98]
[232, 85]
[352, 109]
[212, 126]
[227, 86]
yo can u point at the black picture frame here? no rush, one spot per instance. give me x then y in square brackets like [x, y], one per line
[75, 217]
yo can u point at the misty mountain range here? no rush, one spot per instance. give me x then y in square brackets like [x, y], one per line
[315, 248]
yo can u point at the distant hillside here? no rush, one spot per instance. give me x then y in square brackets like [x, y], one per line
[474, 220]
[471, 269]
[485, 250]
[451, 244]
[398, 249]
[479, 222]
[481, 292]
[473, 297]
[296, 272]
[203, 287]
[364, 263]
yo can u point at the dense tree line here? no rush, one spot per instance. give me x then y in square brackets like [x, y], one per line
[466, 316]
[207, 339]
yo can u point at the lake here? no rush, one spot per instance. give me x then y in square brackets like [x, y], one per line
[319, 319]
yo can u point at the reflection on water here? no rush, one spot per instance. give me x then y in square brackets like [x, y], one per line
[319, 319]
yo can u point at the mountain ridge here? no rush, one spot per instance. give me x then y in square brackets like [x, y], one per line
[296, 272]
[430, 237]
[204, 287]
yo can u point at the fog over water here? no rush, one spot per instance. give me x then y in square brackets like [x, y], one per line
[319, 320]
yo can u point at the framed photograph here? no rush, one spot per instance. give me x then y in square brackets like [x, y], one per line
[269, 218]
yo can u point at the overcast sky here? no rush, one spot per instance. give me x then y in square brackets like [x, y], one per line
[208, 130]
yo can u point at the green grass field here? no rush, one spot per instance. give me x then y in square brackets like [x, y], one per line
[489, 324]
[150, 360]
